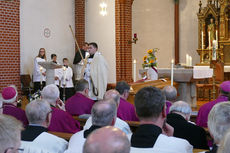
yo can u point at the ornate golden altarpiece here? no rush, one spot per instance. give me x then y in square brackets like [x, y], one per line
[219, 12]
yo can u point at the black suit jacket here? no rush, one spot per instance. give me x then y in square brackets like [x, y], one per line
[77, 57]
[32, 132]
[194, 134]
[145, 136]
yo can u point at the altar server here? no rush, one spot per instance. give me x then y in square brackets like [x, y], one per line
[78, 62]
[39, 72]
[57, 72]
[202, 117]
[96, 73]
[66, 80]
[9, 98]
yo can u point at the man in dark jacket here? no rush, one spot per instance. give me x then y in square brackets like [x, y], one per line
[179, 119]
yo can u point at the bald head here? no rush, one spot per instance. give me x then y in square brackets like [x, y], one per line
[104, 113]
[107, 140]
[113, 94]
[170, 93]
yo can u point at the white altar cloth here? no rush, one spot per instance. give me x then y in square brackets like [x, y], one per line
[200, 72]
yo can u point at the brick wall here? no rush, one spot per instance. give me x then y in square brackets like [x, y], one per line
[80, 21]
[9, 43]
[123, 35]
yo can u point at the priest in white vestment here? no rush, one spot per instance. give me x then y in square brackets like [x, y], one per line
[96, 73]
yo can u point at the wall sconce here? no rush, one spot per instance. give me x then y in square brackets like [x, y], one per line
[103, 9]
[135, 39]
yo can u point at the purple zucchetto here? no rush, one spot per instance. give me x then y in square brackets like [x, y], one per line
[9, 94]
[225, 86]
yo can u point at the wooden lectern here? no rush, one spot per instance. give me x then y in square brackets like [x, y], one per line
[50, 66]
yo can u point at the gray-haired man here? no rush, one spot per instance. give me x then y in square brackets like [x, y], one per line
[103, 114]
[219, 123]
[179, 119]
[38, 113]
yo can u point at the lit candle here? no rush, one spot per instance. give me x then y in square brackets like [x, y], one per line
[135, 35]
[187, 60]
[202, 40]
[209, 40]
[134, 70]
[41, 75]
[214, 43]
[64, 81]
[172, 64]
[190, 60]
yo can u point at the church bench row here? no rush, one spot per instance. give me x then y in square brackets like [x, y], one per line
[67, 137]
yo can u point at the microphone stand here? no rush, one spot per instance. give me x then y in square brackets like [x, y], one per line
[64, 96]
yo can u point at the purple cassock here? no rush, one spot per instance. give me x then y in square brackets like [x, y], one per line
[202, 117]
[79, 104]
[126, 111]
[168, 105]
[18, 113]
[62, 121]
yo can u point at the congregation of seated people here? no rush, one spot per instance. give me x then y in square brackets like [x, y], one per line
[164, 124]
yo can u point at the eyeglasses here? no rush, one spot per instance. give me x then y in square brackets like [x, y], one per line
[12, 148]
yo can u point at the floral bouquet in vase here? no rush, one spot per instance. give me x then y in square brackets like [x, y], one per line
[150, 63]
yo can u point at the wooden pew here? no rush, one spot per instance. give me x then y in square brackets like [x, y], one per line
[198, 150]
[133, 125]
[82, 121]
[65, 136]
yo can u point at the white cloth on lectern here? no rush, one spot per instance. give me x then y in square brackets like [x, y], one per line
[200, 72]
[37, 72]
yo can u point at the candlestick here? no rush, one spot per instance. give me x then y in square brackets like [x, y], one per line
[64, 71]
[172, 64]
[190, 60]
[202, 40]
[214, 43]
[209, 40]
[41, 76]
[134, 70]
[187, 60]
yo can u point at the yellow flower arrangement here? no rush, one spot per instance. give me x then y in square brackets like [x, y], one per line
[149, 51]
[150, 60]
